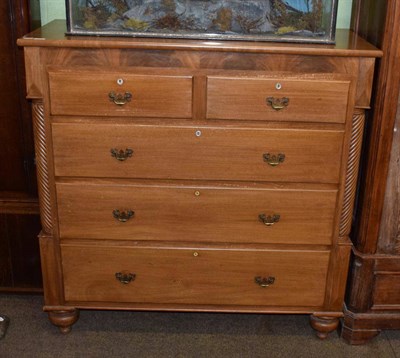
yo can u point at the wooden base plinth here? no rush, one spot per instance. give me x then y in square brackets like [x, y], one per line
[360, 328]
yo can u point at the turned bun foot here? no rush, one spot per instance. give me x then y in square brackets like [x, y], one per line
[324, 325]
[64, 319]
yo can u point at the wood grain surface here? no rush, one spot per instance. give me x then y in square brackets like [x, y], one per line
[199, 213]
[308, 99]
[197, 152]
[87, 93]
[195, 276]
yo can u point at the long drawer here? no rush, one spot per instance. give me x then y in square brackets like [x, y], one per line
[195, 213]
[277, 99]
[197, 152]
[194, 276]
[92, 93]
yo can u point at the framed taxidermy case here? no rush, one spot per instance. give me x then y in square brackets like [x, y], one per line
[253, 20]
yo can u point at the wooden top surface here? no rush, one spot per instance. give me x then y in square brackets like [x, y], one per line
[53, 35]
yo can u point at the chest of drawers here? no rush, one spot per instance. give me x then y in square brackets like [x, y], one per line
[192, 175]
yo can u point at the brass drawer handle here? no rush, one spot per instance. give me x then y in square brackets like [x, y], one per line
[264, 281]
[269, 220]
[125, 277]
[121, 155]
[123, 216]
[120, 98]
[274, 159]
[278, 103]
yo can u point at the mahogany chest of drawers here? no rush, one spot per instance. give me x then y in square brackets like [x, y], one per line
[195, 175]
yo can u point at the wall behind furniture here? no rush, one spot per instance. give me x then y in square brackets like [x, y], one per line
[55, 9]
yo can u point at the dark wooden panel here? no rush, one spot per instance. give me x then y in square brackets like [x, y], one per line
[11, 155]
[19, 222]
[23, 231]
[387, 290]
[19, 251]
[16, 156]
[5, 259]
[389, 236]
[369, 19]
[374, 284]
[379, 133]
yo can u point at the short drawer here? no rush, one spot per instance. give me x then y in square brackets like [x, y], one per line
[91, 93]
[194, 276]
[186, 152]
[195, 213]
[277, 99]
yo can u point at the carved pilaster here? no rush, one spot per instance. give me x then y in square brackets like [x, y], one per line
[352, 172]
[42, 166]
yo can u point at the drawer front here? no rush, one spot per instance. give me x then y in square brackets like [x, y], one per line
[201, 213]
[386, 290]
[100, 94]
[194, 276]
[277, 99]
[214, 153]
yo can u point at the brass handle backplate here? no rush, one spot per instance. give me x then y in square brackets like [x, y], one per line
[274, 159]
[120, 98]
[125, 277]
[123, 216]
[264, 281]
[121, 155]
[269, 220]
[278, 103]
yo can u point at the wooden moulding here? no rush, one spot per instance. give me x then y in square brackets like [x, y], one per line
[41, 149]
[347, 44]
[24, 206]
[352, 172]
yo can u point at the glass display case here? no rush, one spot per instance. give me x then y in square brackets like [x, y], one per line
[255, 20]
